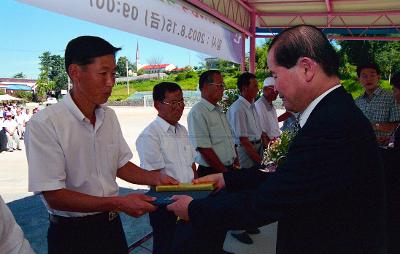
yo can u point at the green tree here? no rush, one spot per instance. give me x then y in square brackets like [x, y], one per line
[388, 59]
[19, 75]
[121, 66]
[52, 76]
[385, 53]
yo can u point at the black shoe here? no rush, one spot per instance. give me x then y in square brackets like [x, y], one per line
[227, 252]
[253, 231]
[242, 237]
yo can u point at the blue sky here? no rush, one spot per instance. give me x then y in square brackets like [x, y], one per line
[26, 32]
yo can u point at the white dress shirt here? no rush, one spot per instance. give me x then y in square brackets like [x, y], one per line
[166, 147]
[268, 118]
[12, 240]
[64, 150]
[243, 120]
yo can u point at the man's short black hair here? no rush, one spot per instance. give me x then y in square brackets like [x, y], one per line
[305, 41]
[207, 77]
[368, 66]
[160, 89]
[83, 49]
[395, 80]
[244, 80]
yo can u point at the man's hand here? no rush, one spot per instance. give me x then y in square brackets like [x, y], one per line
[218, 179]
[163, 179]
[136, 204]
[180, 206]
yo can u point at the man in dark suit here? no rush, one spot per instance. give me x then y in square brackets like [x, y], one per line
[327, 195]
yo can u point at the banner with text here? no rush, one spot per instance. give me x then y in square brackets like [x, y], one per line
[165, 20]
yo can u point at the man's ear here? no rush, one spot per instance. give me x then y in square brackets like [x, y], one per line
[157, 105]
[308, 68]
[74, 71]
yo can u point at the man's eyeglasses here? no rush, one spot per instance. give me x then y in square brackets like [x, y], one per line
[222, 85]
[174, 104]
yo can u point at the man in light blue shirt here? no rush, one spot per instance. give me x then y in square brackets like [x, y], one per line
[245, 124]
[209, 130]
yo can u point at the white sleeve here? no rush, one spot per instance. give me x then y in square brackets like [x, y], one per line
[12, 240]
[149, 150]
[46, 162]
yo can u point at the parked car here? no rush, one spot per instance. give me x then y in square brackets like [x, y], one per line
[50, 101]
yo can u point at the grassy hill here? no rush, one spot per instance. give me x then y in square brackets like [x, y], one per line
[189, 81]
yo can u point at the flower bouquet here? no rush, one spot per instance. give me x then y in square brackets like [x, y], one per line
[276, 151]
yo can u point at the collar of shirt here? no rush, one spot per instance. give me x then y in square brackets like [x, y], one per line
[266, 103]
[306, 113]
[73, 108]
[208, 105]
[165, 126]
[246, 102]
[377, 91]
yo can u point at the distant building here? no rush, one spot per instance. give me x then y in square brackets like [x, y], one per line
[158, 68]
[138, 65]
[9, 85]
[176, 70]
[211, 62]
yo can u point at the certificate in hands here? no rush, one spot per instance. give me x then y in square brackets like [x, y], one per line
[163, 193]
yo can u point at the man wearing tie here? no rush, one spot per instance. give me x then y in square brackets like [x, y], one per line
[328, 194]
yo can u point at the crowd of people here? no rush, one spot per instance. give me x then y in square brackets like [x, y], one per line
[13, 120]
[330, 195]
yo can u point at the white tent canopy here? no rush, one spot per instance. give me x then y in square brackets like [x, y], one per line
[7, 97]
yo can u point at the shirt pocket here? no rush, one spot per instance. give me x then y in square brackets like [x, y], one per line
[112, 155]
[189, 155]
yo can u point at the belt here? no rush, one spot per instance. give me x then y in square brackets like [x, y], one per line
[95, 218]
[254, 142]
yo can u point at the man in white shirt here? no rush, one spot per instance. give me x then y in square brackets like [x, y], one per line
[75, 151]
[164, 146]
[267, 112]
[11, 128]
[12, 240]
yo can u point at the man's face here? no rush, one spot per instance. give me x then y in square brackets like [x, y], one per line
[96, 80]
[287, 84]
[171, 108]
[215, 90]
[369, 79]
[270, 93]
[252, 89]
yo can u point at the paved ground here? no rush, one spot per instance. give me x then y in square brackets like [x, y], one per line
[31, 215]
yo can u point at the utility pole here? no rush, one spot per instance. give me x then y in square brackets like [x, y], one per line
[127, 76]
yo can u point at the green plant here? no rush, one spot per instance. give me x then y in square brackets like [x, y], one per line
[230, 96]
[277, 149]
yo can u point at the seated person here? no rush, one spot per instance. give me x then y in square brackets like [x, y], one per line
[164, 146]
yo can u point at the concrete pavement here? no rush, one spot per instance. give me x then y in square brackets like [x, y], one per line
[31, 215]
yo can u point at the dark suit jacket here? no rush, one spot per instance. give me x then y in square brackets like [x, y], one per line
[327, 196]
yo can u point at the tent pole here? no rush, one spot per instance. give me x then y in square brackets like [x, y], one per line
[252, 59]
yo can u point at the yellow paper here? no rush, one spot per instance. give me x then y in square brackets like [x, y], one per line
[186, 187]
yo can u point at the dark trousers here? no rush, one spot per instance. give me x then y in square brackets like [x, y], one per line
[203, 171]
[87, 237]
[189, 241]
[163, 223]
[391, 159]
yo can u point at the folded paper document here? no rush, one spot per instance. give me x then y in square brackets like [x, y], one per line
[186, 187]
[164, 193]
